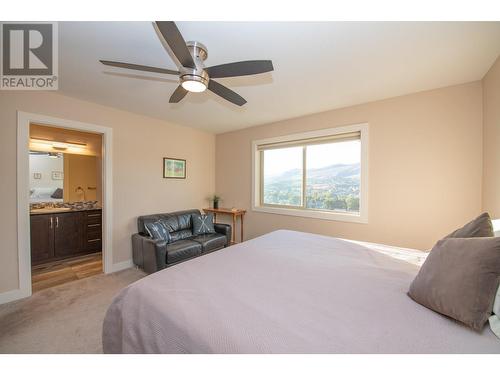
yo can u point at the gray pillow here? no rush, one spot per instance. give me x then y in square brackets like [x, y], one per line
[158, 231]
[57, 194]
[203, 224]
[459, 279]
[481, 226]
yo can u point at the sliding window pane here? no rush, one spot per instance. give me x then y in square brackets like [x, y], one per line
[333, 176]
[283, 176]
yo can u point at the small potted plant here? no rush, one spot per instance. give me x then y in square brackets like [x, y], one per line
[215, 199]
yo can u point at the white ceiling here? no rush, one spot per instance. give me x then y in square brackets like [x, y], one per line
[318, 66]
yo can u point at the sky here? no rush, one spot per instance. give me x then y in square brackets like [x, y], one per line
[318, 156]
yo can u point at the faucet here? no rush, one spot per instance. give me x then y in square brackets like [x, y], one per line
[79, 189]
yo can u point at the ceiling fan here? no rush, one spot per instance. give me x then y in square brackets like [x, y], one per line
[193, 74]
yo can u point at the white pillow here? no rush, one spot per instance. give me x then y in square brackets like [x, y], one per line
[496, 305]
[496, 227]
[495, 318]
[42, 192]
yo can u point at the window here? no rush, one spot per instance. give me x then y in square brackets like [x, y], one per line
[333, 176]
[282, 182]
[317, 174]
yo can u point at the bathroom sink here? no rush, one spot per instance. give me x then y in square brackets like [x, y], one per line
[50, 209]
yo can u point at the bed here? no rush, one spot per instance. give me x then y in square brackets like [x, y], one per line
[286, 292]
[43, 195]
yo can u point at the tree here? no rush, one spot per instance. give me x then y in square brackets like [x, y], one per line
[339, 204]
[352, 203]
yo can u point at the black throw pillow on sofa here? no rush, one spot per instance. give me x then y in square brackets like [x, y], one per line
[203, 224]
[157, 230]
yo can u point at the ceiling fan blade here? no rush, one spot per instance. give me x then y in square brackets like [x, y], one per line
[225, 93]
[175, 41]
[241, 68]
[143, 68]
[179, 93]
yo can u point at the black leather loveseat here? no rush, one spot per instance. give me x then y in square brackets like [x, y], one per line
[153, 255]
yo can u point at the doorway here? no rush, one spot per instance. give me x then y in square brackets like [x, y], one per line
[69, 252]
[65, 205]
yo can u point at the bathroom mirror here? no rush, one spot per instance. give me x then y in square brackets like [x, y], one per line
[57, 177]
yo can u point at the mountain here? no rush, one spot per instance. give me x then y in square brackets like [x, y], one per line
[334, 187]
[318, 174]
[336, 170]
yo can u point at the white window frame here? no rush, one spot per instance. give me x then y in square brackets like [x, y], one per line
[358, 217]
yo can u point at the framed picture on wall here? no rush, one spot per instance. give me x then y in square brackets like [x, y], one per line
[174, 168]
[56, 175]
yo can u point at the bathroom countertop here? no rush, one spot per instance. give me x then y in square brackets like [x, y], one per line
[60, 210]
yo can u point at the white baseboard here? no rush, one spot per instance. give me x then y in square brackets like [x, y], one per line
[12, 295]
[122, 265]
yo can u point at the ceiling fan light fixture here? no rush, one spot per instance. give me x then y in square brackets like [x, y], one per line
[195, 83]
[194, 76]
[194, 86]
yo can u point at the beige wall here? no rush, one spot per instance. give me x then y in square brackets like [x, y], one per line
[491, 105]
[139, 144]
[425, 167]
[80, 171]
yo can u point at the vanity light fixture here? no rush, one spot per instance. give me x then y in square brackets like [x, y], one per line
[60, 146]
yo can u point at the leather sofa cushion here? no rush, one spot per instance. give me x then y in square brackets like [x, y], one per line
[151, 218]
[180, 235]
[182, 249]
[185, 221]
[211, 241]
[178, 222]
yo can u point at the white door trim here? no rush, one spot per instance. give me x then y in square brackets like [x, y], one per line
[23, 219]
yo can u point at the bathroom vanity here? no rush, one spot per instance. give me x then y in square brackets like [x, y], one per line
[58, 233]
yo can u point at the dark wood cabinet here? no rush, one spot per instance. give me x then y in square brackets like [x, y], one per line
[93, 230]
[62, 235]
[42, 238]
[68, 234]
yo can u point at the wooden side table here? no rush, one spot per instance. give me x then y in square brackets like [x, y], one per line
[235, 213]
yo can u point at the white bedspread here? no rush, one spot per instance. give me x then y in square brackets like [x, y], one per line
[416, 257]
[285, 292]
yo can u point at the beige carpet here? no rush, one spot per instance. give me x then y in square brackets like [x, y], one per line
[63, 319]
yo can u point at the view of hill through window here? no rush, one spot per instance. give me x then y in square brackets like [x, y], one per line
[332, 176]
